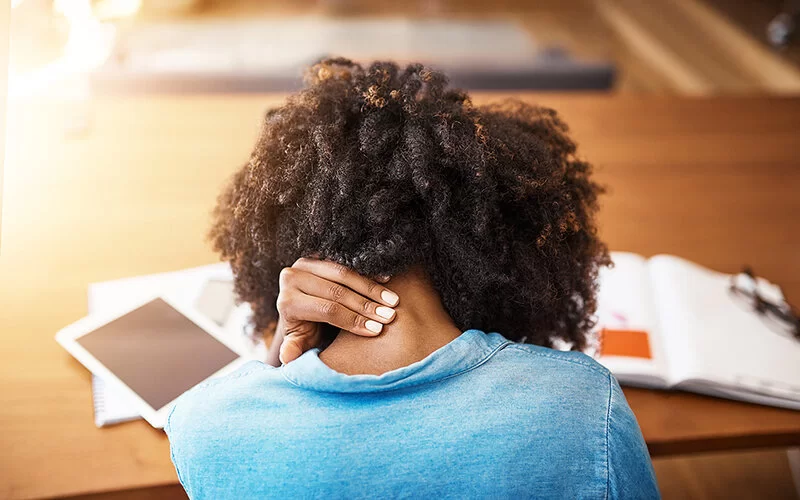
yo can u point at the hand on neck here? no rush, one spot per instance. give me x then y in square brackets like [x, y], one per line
[420, 327]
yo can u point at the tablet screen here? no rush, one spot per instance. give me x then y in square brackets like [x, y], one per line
[157, 351]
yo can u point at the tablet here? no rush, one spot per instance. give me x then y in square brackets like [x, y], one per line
[154, 351]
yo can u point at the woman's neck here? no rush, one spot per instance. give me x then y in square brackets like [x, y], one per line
[420, 327]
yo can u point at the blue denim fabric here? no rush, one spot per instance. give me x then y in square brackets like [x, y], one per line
[482, 417]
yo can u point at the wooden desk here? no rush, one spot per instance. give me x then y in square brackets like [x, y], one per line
[715, 181]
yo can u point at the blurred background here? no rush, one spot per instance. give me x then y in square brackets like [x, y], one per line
[696, 47]
[80, 49]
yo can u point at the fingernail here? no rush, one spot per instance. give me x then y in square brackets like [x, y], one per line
[390, 298]
[384, 279]
[373, 326]
[384, 312]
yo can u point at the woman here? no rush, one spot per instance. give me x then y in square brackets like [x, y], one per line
[382, 225]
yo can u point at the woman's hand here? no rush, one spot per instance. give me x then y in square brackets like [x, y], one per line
[313, 292]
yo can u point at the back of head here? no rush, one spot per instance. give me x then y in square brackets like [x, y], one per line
[384, 168]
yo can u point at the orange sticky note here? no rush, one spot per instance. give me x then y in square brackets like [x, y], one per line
[630, 343]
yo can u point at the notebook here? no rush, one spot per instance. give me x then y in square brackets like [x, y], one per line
[665, 322]
[110, 406]
[208, 289]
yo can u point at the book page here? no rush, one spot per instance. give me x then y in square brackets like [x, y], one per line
[629, 334]
[713, 337]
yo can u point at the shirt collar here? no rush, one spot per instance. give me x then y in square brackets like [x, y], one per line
[466, 352]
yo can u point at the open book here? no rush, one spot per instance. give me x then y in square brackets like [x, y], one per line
[665, 322]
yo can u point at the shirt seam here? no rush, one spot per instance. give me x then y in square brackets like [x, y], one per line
[596, 368]
[168, 429]
[465, 370]
[231, 376]
[608, 427]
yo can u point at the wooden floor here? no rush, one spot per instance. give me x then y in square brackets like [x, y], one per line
[687, 46]
[696, 47]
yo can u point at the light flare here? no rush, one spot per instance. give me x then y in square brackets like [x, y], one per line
[89, 43]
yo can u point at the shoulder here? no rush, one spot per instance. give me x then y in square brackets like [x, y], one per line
[230, 392]
[591, 395]
[569, 364]
[565, 384]
[244, 375]
[560, 385]
[202, 419]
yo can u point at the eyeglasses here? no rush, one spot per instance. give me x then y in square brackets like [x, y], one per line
[778, 314]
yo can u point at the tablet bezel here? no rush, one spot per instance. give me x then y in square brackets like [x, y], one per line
[68, 339]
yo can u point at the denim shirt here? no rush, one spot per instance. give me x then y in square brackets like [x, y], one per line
[481, 417]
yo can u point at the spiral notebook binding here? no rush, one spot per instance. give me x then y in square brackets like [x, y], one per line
[99, 401]
[106, 413]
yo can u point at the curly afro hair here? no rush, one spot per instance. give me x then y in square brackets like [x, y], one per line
[383, 168]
